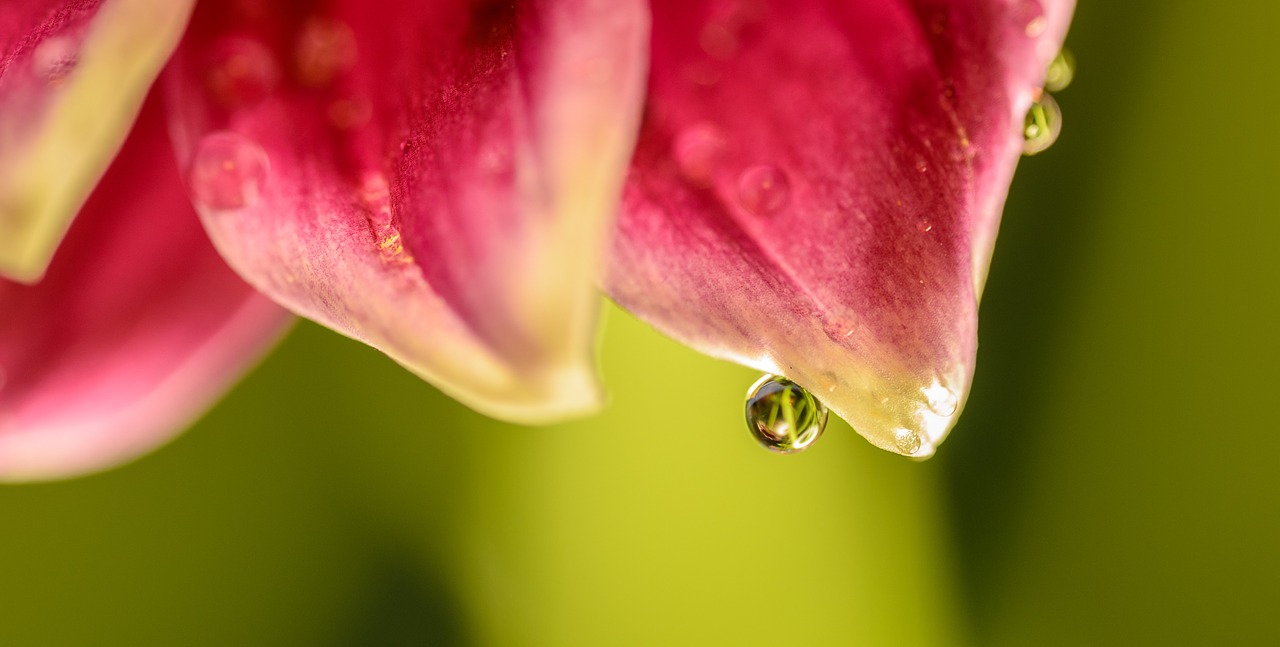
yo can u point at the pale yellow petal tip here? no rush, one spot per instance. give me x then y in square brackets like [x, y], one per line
[557, 394]
[23, 256]
[903, 415]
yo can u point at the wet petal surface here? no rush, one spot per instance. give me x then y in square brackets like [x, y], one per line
[434, 179]
[817, 187]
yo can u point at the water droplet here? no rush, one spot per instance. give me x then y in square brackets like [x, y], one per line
[1062, 69]
[782, 416]
[325, 48]
[942, 401]
[349, 113]
[922, 165]
[55, 58]
[697, 151]
[1030, 14]
[764, 190]
[1042, 125]
[241, 72]
[718, 41]
[228, 172]
[924, 226]
[907, 441]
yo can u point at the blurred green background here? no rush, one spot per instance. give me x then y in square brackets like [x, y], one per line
[1112, 482]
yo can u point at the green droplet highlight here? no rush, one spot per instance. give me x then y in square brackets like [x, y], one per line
[782, 416]
[1042, 125]
[1062, 69]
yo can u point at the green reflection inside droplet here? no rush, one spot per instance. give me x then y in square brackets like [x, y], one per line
[782, 416]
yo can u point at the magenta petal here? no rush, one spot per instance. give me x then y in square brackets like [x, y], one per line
[433, 178]
[136, 328]
[817, 187]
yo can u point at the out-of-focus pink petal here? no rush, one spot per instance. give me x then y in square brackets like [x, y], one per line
[73, 74]
[433, 178]
[136, 328]
[817, 187]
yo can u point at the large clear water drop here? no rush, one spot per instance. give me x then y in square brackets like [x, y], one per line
[782, 416]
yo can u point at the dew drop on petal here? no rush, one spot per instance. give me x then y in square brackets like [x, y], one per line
[1042, 126]
[241, 72]
[325, 48]
[1029, 14]
[782, 416]
[697, 151]
[1062, 69]
[718, 41]
[228, 172]
[907, 441]
[764, 190]
[55, 58]
[942, 401]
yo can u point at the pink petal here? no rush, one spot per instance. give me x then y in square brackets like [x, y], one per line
[817, 187]
[433, 178]
[136, 328]
[73, 74]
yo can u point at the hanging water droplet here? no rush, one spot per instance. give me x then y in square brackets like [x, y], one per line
[907, 441]
[782, 416]
[764, 190]
[697, 151]
[1062, 69]
[1030, 15]
[241, 72]
[228, 172]
[1042, 125]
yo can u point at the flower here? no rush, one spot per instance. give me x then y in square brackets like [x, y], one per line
[812, 190]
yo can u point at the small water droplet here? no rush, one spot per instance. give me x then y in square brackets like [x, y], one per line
[241, 72]
[782, 416]
[349, 113]
[697, 152]
[718, 41]
[55, 59]
[924, 226]
[907, 441]
[1042, 126]
[1030, 14]
[228, 172]
[942, 401]
[325, 48]
[922, 165]
[764, 190]
[1062, 69]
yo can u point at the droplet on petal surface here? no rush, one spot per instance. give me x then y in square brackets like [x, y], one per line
[1030, 15]
[1062, 69]
[228, 172]
[764, 190]
[697, 151]
[55, 58]
[907, 441]
[325, 48]
[942, 401]
[1042, 126]
[241, 72]
[782, 416]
